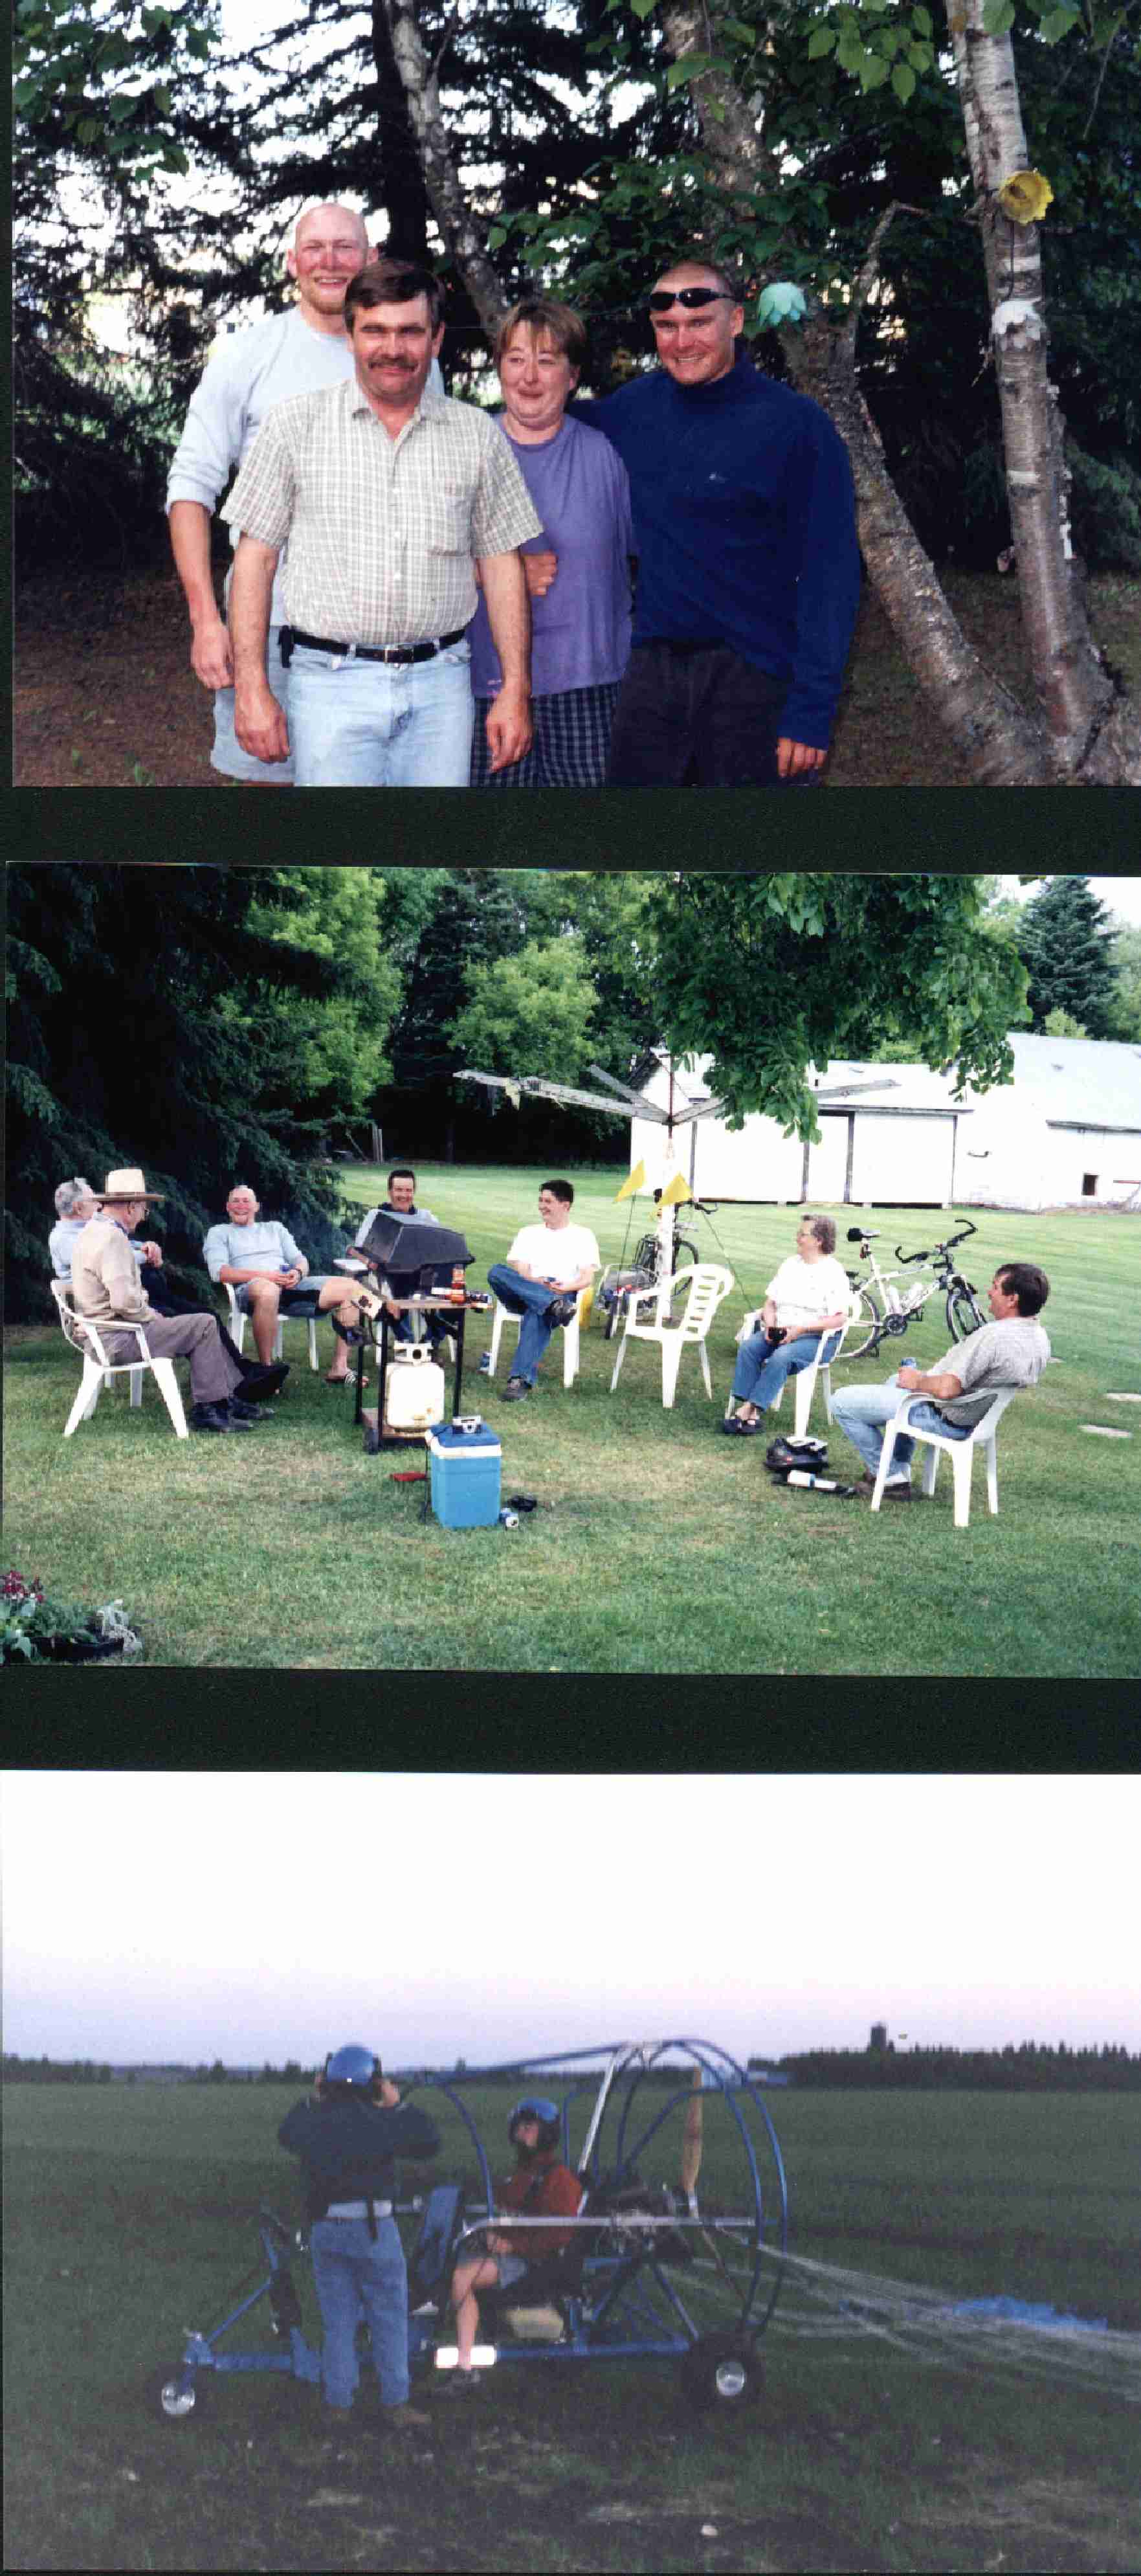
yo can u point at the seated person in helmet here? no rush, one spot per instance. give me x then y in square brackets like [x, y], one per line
[348, 2135]
[540, 2187]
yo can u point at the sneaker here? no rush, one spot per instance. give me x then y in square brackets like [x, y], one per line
[562, 1310]
[214, 1417]
[461, 2383]
[513, 1393]
[405, 2419]
[895, 1486]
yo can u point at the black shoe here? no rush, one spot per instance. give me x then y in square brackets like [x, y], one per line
[514, 1391]
[241, 1411]
[214, 1417]
[562, 1310]
[259, 1383]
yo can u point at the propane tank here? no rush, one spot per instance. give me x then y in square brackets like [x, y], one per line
[413, 1389]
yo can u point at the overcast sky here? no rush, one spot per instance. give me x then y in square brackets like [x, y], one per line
[248, 1916]
[1120, 895]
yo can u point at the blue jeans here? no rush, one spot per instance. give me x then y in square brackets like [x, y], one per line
[227, 754]
[381, 724]
[352, 2272]
[762, 1368]
[525, 1297]
[863, 1412]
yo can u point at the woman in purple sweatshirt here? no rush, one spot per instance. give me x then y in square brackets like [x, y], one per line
[578, 570]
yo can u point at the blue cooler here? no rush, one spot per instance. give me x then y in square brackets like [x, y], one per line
[465, 1474]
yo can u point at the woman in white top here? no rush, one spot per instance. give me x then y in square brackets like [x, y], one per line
[808, 1298]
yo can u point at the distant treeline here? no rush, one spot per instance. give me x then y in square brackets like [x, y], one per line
[1027, 2069]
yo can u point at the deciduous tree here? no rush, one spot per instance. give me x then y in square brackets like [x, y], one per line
[770, 974]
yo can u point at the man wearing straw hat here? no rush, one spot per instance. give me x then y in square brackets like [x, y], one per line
[107, 1288]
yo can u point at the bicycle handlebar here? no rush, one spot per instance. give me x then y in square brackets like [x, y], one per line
[946, 1248]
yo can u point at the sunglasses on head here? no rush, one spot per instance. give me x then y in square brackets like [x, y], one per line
[692, 297]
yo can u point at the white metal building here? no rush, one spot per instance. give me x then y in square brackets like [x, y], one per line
[1068, 1127]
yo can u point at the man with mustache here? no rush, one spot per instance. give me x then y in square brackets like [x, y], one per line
[389, 497]
[289, 353]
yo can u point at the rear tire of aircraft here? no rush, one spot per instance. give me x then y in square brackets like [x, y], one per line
[174, 2400]
[868, 1325]
[720, 2370]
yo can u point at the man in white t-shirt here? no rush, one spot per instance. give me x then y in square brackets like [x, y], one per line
[809, 1298]
[289, 353]
[541, 1280]
[1011, 1351]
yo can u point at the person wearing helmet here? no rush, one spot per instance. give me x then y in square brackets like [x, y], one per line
[540, 2187]
[348, 2135]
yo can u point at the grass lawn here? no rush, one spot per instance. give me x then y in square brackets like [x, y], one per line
[131, 2215]
[657, 1545]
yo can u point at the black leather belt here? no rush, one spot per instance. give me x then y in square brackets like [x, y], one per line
[291, 635]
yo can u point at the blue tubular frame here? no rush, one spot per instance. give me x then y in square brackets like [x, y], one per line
[632, 2287]
[621, 2301]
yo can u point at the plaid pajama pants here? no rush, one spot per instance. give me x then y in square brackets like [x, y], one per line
[571, 745]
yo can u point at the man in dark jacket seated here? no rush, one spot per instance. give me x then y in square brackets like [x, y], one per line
[348, 2136]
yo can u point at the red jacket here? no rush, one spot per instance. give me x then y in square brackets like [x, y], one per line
[544, 2189]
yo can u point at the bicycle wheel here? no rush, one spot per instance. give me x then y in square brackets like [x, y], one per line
[868, 1326]
[963, 1315]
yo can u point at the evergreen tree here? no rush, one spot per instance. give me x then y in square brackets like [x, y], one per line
[1065, 943]
[125, 1047]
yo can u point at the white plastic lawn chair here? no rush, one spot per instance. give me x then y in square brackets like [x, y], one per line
[503, 1315]
[98, 1370]
[239, 1320]
[709, 1285]
[960, 1452]
[803, 1380]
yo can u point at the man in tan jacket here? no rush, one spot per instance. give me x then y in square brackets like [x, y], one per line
[107, 1287]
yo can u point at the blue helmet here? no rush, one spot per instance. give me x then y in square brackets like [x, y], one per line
[352, 2065]
[535, 2106]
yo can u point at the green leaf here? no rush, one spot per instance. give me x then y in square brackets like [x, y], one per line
[691, 68]
[821, 41]
[121, 107]
[736, 27]
[921, 18]
[161, 98]
[873, 71]
[998, 15]
[903, 82]
[497, 236]
[1057, 24]
[25, 91]
[88, 129]
[643, 8]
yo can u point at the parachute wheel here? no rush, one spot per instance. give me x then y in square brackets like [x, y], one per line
[177, 2396]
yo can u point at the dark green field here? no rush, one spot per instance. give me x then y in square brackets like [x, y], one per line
[130, 2216]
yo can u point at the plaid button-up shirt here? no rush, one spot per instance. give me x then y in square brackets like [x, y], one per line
[382, 533]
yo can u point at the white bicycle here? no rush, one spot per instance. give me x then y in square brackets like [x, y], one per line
[889, 1305]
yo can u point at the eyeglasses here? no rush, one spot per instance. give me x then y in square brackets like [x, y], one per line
[692, 297]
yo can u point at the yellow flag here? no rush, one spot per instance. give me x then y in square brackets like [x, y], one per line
[677, 1192]
[637, 1181]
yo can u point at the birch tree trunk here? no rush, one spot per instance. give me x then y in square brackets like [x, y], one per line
[463, 238]
[1073, 687]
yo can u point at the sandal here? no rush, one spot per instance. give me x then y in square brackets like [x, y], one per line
[349, 1379]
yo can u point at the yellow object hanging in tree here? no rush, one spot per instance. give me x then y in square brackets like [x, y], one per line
[1025, 196]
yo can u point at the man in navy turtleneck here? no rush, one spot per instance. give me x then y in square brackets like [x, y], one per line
[748, 567]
